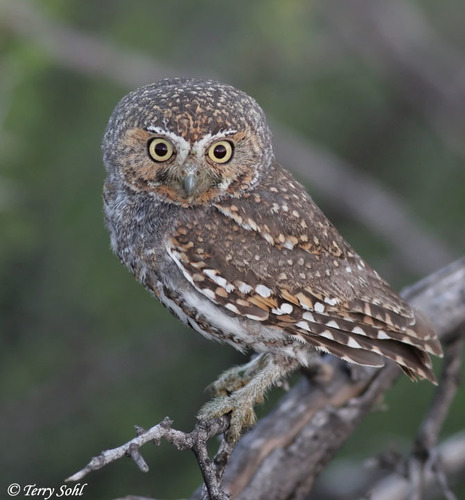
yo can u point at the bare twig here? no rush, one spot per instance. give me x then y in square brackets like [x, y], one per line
[212, 475]
[195, 441]
[343, 186]
[154, 434]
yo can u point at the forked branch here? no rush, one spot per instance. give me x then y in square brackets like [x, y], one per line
[195, 441]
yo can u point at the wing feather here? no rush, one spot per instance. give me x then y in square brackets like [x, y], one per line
[274, 270]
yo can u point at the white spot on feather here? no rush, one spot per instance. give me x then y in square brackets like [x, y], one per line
[353, 343]
[319, 307]
[309, 317]
[244, 287]
[263, 291]
[331, 302]
[268, 238]
[219, 280]
[358, 331]
[303, 325]
[252, 224]
[255, 318]
[209, 293]
[285, 308]
[287, 244]
[232, 308]
[327, 335]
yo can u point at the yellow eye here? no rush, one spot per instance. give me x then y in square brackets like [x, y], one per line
[220, 152]
[160, 149]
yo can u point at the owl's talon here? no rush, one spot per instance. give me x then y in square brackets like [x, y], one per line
[241, 410]
[240, 388]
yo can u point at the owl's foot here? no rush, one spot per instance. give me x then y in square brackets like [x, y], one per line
[239, 406]
[240, 388]
[237, 377]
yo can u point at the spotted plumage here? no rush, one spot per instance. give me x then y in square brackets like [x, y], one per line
[203, 215]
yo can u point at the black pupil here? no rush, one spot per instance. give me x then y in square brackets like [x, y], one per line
[161, 149]
[220, 151]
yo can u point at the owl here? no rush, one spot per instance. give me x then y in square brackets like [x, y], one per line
[205, 218]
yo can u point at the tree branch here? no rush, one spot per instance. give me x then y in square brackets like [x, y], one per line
[195, 441]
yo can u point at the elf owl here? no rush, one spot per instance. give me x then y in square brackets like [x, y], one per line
[205, 218]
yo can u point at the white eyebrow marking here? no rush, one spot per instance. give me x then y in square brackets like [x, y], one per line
[180, 144]
[199, 146]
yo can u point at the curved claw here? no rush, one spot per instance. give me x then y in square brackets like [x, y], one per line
[241, 410]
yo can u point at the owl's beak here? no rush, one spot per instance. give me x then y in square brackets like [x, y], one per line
[195, 180]
[190, 182]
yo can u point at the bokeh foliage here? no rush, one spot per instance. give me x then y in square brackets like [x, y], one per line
[86, 352]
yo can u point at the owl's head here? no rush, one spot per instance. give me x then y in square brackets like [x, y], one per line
[187, 141]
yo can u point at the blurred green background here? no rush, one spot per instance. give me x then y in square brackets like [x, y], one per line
[376, 88]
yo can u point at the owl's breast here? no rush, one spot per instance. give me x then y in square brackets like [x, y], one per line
[138, 224]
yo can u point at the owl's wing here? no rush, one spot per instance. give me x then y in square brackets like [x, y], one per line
[266, 266]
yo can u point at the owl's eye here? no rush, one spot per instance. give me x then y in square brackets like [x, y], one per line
[220, 152]
[160, 149]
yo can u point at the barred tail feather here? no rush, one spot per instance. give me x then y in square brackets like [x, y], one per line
[363, 350]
